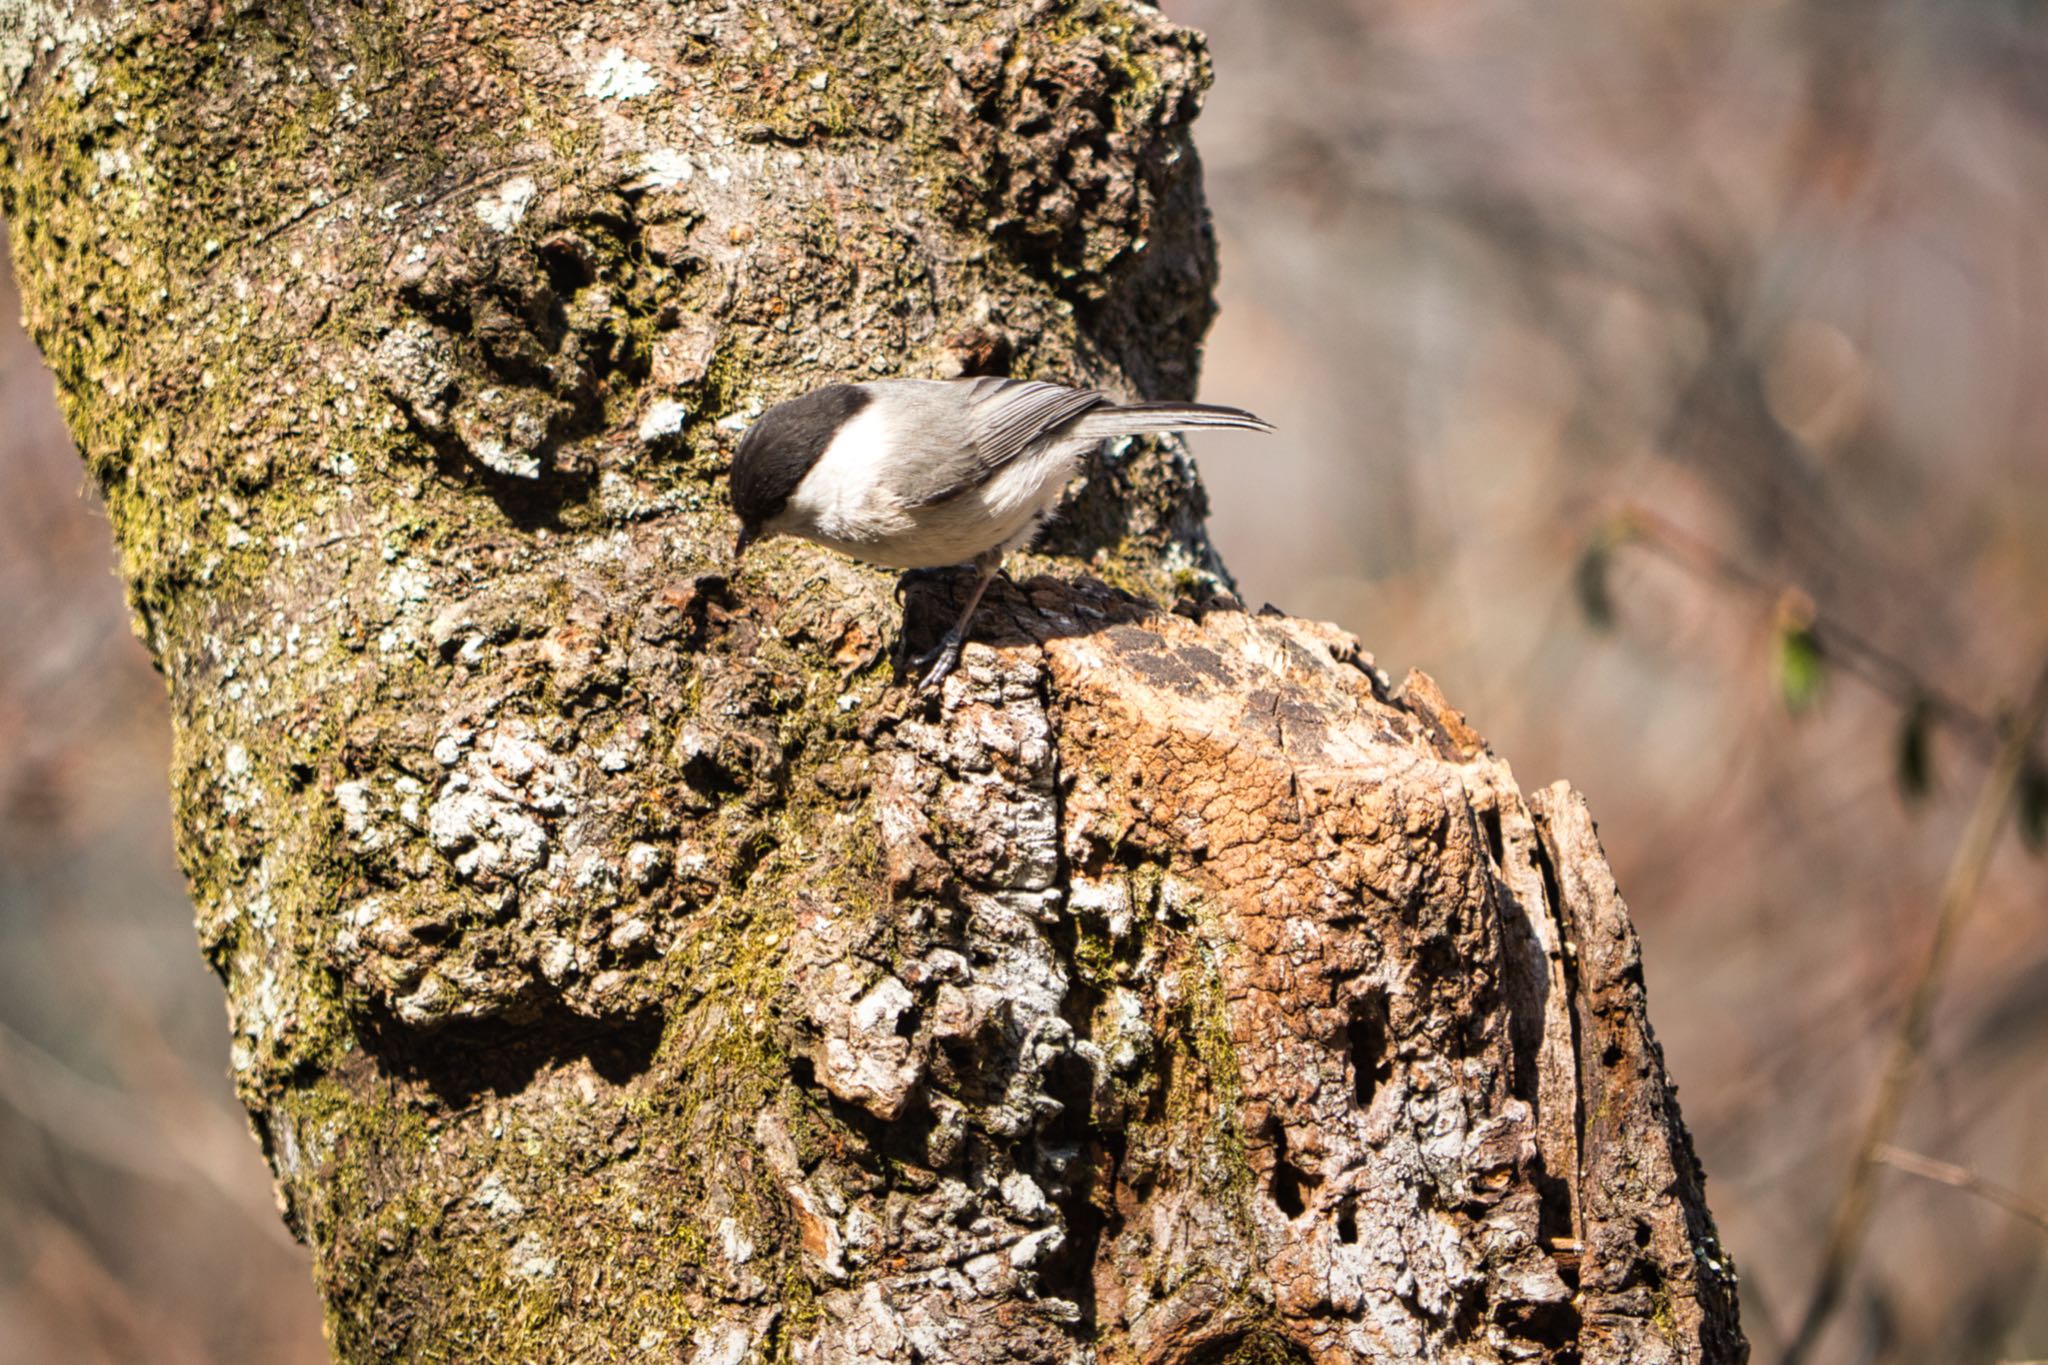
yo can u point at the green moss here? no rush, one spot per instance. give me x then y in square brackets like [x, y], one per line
[1264, 1347]
[731, 377]
[765, 86]
[1094, 955]
[98, 249]
[1663, 1319]
[1207, 1023]
[1102, 961]
[372, 1251]
[801, 1315]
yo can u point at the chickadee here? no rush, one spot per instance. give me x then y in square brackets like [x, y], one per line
[926, 473]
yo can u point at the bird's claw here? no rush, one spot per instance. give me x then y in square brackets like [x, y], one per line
[938, 664]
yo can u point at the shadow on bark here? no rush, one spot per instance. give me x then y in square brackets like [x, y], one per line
[463, 1062]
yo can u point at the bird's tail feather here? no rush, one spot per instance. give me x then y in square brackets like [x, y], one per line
[1135, 419]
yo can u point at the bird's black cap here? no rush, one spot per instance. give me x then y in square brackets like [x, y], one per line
[780, 449]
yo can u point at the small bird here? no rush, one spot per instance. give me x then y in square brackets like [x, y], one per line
[929, 473]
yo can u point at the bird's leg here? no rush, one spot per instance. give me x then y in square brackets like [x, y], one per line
[944, 659]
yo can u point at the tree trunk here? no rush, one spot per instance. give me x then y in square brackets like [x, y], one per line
[620, 963]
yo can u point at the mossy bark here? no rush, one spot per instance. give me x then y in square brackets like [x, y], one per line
[619, 962]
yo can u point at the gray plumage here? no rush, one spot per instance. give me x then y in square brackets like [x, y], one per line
[916, 474]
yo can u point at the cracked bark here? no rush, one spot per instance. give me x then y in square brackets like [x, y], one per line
[618, 964]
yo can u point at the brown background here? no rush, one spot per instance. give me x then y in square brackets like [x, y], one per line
[1776, 270]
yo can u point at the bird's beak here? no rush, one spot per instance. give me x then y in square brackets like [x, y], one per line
[747, 536]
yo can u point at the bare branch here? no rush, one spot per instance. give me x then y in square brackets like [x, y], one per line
[1959, 894]
[1846, 646]
[1963, 1178]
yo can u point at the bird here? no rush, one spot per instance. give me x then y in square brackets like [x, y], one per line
[924, 474]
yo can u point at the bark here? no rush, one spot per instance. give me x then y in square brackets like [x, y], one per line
[619, 963]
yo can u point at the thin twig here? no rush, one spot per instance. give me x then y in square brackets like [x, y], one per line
[1853, 652]
[1958, 897]
[1965, 1179]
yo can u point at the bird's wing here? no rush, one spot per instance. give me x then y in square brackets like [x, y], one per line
[1016, 412]
[1009, 417]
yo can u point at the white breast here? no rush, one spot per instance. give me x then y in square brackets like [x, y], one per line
[845, 494]
[848, 502]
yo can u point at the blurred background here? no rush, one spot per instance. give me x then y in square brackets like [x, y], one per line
[136, 1221]
[1766, 277]
[1774, 272]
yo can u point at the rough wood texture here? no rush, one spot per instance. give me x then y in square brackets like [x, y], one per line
[619, 965]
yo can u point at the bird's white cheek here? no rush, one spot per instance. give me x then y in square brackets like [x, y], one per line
[846, 493]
